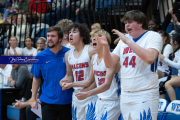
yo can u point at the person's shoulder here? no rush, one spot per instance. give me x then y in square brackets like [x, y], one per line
[153, 33]
[23, 67]
[168, 46]
[178, 52]
[42, 53]
[34, 49]
[19, 48]
[24, 48]
[64, 50]
[9, 66]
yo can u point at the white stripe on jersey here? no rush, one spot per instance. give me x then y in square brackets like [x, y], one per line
[80, 66]
[99, 74]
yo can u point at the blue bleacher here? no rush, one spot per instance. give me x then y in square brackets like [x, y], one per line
[13, 113]
[173, 111]
[163, 103]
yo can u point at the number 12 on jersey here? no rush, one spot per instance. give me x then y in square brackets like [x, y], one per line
[132, 62]
[79, 75]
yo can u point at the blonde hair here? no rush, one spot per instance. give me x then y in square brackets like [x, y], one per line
[98, 31]
[42, 39]
[63, 24]
[97, 25]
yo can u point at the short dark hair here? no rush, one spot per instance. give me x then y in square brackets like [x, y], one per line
[59, 31]
[137, 16]
[83, 30]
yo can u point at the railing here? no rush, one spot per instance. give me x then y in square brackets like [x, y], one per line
[106, 12]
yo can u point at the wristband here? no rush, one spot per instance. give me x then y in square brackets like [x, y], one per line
[33, 100]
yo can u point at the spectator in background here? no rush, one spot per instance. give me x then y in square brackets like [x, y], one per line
[29, 50]
[176, 23]
[95, 26]
[16, 10]
[63, 24]
[18, 74]
[12, 49]
[9, 9]
[154, 25]
[5, 70]
[167, 50]
[14, 3]
[20, 29]
[42, 8]
[20, 104]
[81, 6]
[172, 82]
[41, 43]
[174, 10]
[23, 5]
[155, 8]
[3, 34]
[51, 18]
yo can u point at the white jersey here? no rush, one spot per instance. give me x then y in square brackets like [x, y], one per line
[11, 51]
[80, 66]
[175, 63]
[137, 75]
[27, 52]
[99, 71]
[163, 67]
[68, 45]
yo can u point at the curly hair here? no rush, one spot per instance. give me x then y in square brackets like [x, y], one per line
[63, 24]
[83, 30]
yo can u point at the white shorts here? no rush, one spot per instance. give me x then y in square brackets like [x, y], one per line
[83, 109]
[107, 109]
[140, 105]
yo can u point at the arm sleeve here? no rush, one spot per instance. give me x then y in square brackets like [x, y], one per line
[155, 42]
[172, 63]
[36, 71]
[167, 50]
[23, 73]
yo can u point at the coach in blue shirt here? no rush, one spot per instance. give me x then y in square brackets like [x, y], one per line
[55, 102]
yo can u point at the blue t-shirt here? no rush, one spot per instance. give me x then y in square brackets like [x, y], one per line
[52, 71]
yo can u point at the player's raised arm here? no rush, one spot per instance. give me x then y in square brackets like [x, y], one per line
[147, 55]
[84, 83]
[110, 60]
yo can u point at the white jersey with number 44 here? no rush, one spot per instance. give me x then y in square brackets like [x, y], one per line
[137, 75]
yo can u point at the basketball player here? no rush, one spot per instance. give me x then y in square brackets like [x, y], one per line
[107, 81]
[78, 65]
[138, 53]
